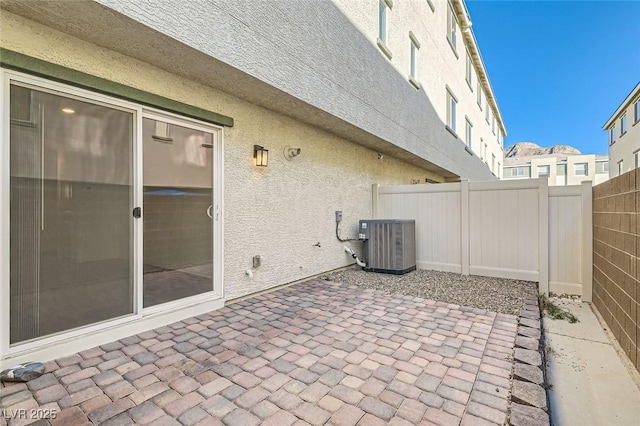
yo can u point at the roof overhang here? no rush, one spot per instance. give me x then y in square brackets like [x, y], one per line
[474, 51]
[635, 92]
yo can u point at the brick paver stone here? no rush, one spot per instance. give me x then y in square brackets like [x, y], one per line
[412, 410]
[119, 389]
[523, 415]
[218, 406]
[486, 412]
[377, 408]
[79, 397]
[312, 414]
[285, 400]
[371, 420]
[183, 403]
[348, 415]
[441, 418]
[240, 417]
[42, 382]
[215, 387]
[102, 414]
[192, 416]
[50, 394]
[251, 397]
[70, 416]
[145, 413]
[264, 409]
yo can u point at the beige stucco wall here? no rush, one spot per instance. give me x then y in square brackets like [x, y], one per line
[278, 212]
[438, 67]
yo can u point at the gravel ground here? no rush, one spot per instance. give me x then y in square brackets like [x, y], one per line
[493, 294]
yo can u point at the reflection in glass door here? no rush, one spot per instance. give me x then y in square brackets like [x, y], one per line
[177, 211]
[71, 197]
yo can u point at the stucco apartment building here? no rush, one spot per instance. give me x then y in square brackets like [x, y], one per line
[623, 129]
[560, 169]
[160, 159]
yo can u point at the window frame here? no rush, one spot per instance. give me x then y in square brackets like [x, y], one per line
[384, 7]
[636, 112]
[620, 167]
[605, 167]
[413, 60]
[469, 71]
[612, 135]
[452, 29]
[468, 132]
[623, 124]
[564, 169]
[544, 166]
[452, 104]
[586, 169]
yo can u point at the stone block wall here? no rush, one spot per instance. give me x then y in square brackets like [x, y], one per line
[616, 259]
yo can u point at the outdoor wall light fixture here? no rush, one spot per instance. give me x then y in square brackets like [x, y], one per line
[261, 155]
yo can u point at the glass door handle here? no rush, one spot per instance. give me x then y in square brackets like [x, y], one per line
[137, 212]
[209, 211]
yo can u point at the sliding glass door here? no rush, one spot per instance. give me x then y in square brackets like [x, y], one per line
[110, 213]
[178, 210]
[71, 198]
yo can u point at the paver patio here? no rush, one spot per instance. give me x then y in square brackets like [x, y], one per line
[314, 353]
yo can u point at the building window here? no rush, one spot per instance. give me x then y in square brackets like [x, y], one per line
[581, 169]
[486, 112]
[413, 71]
[522, 171]
[479, 93]
[636, 111]
[493, 163]
[469, 72]
[612, 135]
[602, 167]
[383, 19]
[544, 170]
[636, 156]
[623, 125]
[499, 170]
[452, 28]
[620, 167]
[484, 149]
[452, 103]
[469, 132]
[561, 170]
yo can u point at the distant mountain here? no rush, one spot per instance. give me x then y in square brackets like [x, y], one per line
[528, 149]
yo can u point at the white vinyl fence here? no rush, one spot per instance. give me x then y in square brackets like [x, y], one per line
[518, 229]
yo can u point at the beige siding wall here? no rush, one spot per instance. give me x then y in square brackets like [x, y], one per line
[626, 145]
[437, 64]
[279, 212]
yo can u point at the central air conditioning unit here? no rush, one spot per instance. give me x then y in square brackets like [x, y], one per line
[389, 245]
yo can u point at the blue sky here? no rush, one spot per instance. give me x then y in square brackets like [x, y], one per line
[559, 69]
